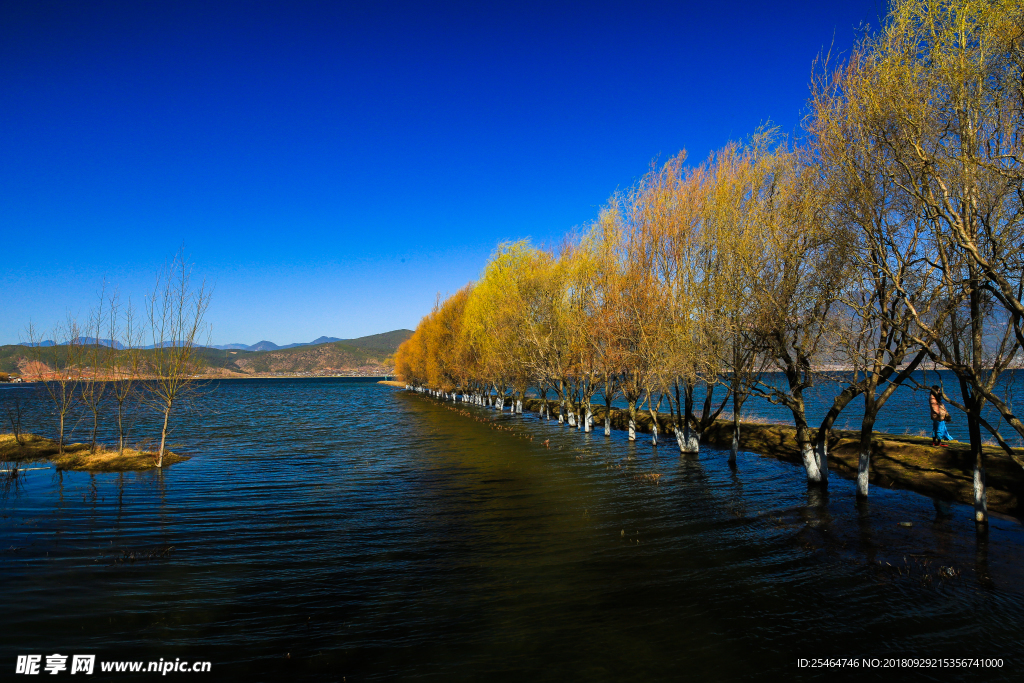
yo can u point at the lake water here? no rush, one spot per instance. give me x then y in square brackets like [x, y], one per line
[905, 412]
[335, 530]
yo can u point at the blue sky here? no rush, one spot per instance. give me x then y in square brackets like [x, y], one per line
[330, 167]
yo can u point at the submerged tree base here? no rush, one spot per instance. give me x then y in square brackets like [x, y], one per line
[897, 461]
[77, 456]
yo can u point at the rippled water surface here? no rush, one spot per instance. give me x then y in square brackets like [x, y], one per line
[330, 529]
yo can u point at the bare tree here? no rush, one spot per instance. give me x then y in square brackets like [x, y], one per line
[124, 363]
[176, 314]
[61, 383]
[95, 356]
[15, 410]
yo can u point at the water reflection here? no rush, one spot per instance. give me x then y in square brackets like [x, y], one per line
[374, 535]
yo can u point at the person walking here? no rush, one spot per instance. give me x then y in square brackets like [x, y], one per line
[940, 416]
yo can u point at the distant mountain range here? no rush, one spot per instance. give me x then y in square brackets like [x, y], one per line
[364, 356]
[271, 346]
[386, 342]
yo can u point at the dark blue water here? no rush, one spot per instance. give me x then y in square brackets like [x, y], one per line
[337, 530]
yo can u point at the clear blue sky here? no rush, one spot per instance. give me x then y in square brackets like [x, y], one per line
[332, 166]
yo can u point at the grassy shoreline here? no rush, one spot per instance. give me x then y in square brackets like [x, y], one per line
[77, 456]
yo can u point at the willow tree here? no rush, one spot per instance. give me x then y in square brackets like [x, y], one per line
[497, 320]
[604, 242]
[941, 89]
[443, 336]
[892, 279]
[732, 225]
[668, 241]
[637, 316]
[799, 275]
[541, 297]
[410, 359]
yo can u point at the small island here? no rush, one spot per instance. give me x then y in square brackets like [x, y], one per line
[17, 452]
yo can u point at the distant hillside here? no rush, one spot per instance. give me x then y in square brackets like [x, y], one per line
[369, 355]
[386, 342]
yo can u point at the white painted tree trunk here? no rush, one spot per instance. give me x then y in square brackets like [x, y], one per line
[810, 463]
[561, 417]
[680, 439]
[572, 418]
[519, 407]
[862, 474]
[654, 437]
[821, 456]
[980, 499]
[691, 444]
[607, 425]
[163, 436]
[589, 424]
[632, 430]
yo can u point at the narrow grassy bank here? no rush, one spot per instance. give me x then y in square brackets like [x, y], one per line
[897, 461]
[77, 456]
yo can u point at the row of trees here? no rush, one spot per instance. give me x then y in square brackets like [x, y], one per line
[888, 235]
[120, 359]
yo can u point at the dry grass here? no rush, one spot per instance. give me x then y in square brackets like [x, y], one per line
[392, 383]
[77, 456]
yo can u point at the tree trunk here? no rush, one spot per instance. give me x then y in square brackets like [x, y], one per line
[654, 424]
[120, 429]
[632, 420]
[163, 437]
[976, 404]
[95, 428]
[803, 439]
[607, 416]
[60, 436]
[867, 426]
[977, 457]
[825, 429]
[691, 444]
[735, 449]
